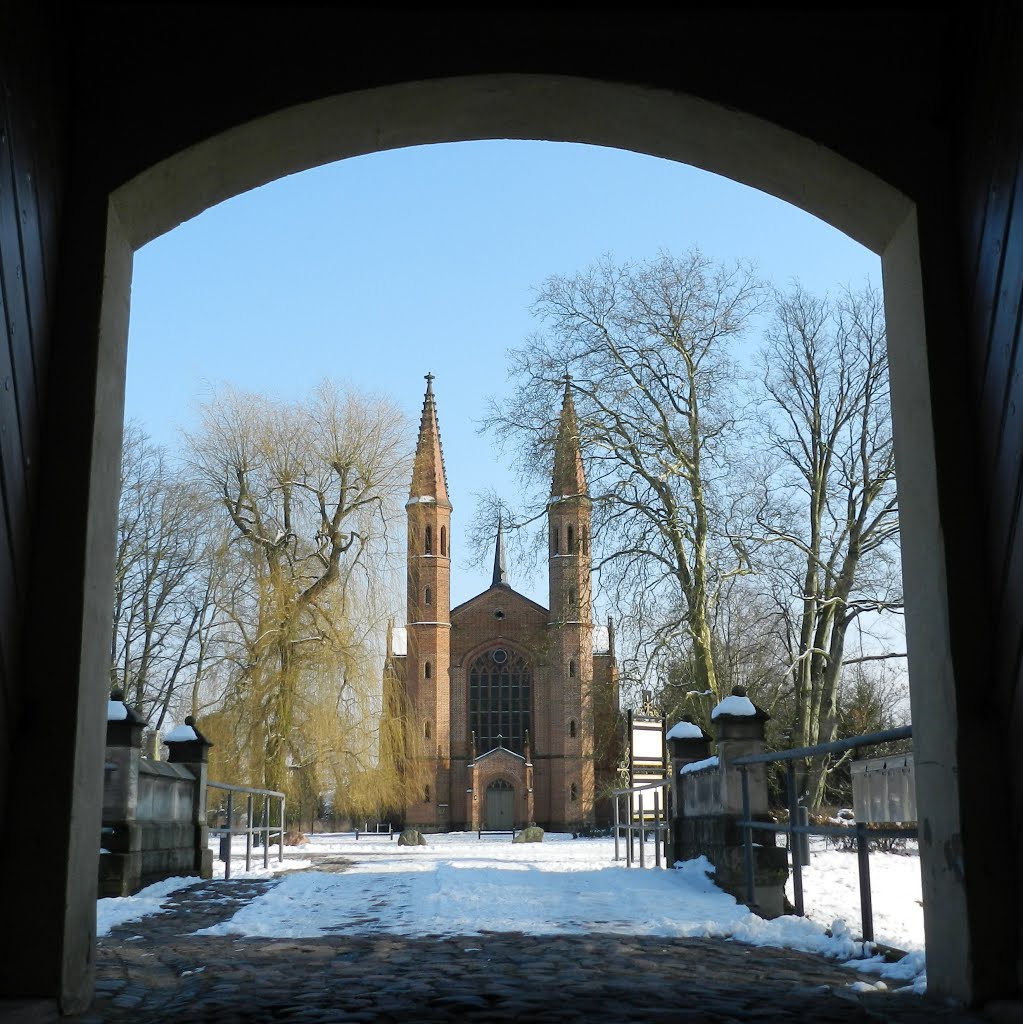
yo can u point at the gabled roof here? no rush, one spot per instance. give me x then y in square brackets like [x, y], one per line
[505, 593]
[499, 750]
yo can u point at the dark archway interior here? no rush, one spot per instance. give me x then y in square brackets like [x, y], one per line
[118, 123]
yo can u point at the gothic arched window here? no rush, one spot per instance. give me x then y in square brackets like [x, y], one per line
[428, 596]
[444, 540]
[499, 700]
[556, 536]
[428, 541]
[571, 541]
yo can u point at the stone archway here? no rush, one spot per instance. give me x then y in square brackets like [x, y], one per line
[204, 170]
[659, 123]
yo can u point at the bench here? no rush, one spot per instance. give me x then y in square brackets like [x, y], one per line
[480, 833]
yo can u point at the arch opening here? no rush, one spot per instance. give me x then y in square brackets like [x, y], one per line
[669, 125]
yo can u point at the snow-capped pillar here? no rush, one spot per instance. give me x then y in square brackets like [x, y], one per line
[120, 862]
[687, 744]
[188, 747]
[739, 725]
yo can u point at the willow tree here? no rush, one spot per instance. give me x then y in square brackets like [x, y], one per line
[309, 491]
[649, 351]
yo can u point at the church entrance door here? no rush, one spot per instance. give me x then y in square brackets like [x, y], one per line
[500, 806]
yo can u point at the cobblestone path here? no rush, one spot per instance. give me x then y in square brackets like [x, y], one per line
[158, 970]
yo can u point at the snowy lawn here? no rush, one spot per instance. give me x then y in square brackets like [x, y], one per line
[460, 885]
[831, 890]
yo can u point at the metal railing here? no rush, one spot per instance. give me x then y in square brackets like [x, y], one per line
[794, 830]
[264, 829]
[640, 820]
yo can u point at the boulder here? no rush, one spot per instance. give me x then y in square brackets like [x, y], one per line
[533, 834]
[411, 837]
[295, 838]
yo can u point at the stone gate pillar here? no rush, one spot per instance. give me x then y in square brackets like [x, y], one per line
[187, 746]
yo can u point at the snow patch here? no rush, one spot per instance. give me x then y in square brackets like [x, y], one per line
[734, 705]
[180, 734]
[685, 731]
[116, 910]
[698, 766]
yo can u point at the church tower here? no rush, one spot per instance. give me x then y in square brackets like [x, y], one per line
[571, 626]
[428, 663]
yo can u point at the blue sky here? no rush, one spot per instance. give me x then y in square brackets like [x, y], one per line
[378, 269]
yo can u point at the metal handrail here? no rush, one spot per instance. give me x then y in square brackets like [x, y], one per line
[264, 829]
[659, 826]
[793, 829]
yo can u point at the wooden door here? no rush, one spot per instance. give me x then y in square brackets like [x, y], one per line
[500, 806]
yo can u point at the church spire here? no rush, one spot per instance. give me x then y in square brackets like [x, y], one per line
[429, 479]
[569, 477]
[500, 569]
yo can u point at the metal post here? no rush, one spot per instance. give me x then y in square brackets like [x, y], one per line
[248, 832]
[747, 843]
[230, 833]
[797, 871]
[657, 826]
[280, 850]
[863, 856]
[617, 805]
[803, 838]
[642, 834]
[266, 831]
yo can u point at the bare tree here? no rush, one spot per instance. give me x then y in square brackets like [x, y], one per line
[309, 491]
[650, 352]
[161, 604]
[829, 511]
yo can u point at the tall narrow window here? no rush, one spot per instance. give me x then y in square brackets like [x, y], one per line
[499, 700]
[571, 540]
[556, 536]
[428, 671]
[426, 794]
[586, 540]
[571, 728]
[428, 596]
[444, 540]
[573, 792]
[571, 669]
[571, 596]
[426, 730]
[428, 541]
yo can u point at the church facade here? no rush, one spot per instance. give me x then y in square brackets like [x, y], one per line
[510, 708]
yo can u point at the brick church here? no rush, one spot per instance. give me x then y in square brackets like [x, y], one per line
[511, 707]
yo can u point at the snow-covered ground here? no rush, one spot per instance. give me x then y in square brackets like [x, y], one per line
[460, 885]
[831, 890]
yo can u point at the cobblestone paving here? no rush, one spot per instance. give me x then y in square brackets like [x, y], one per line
[157, 970]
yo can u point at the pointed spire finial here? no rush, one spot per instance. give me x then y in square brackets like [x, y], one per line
[569, 476]
[500, 568]
[429, 478]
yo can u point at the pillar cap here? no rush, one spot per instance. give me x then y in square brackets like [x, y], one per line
[186, 744]
[124, 723]
[738, 707]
